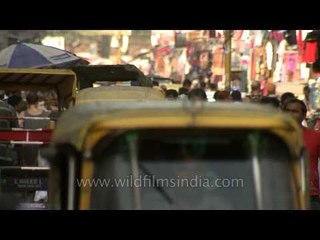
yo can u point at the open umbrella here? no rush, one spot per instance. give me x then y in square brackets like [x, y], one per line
[27, 55]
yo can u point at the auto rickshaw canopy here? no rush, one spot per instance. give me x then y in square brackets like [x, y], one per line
[77, 123]
[87, 75]
[63, 81]
[118, 93]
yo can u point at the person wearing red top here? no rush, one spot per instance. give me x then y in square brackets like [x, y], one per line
[298, 110]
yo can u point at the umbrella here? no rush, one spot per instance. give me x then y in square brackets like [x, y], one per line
[27, 55]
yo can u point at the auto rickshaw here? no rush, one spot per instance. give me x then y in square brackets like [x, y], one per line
[114, 83]
[176, 155]
[63, 81]
[120, 74]
[17, 181]
[118, 93]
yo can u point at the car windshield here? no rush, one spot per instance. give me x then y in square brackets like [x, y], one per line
[191, 169]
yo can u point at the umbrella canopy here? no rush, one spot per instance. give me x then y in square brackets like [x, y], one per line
[27, 55]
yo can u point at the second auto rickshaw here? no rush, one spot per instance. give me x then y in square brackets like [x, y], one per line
[19, 182]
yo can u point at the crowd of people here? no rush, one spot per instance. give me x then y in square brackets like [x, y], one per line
[27, 110]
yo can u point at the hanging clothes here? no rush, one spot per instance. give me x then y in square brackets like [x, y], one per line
[291, 61]
[277, 72]
[276, 35]
[269, 51]
[282, 47]
[265, 35]
[245, 35]
[312, 37]
[310, 52]
[217, 67]
[280, 71]
[291, 37]
[300, 44]
[258, 39]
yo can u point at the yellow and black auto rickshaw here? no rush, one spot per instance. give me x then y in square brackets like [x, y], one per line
[174, 155]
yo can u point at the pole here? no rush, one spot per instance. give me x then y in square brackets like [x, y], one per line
[227, 64]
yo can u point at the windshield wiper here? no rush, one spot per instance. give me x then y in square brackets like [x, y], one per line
[132, 139]
[154, 182]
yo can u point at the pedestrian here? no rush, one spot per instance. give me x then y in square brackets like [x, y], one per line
[298, 110]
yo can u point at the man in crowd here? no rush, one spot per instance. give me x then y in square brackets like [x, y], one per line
[298, 110]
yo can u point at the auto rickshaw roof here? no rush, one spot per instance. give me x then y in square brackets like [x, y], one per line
[20, 79]
[118, 93]
[89, 74]
[76, 123]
